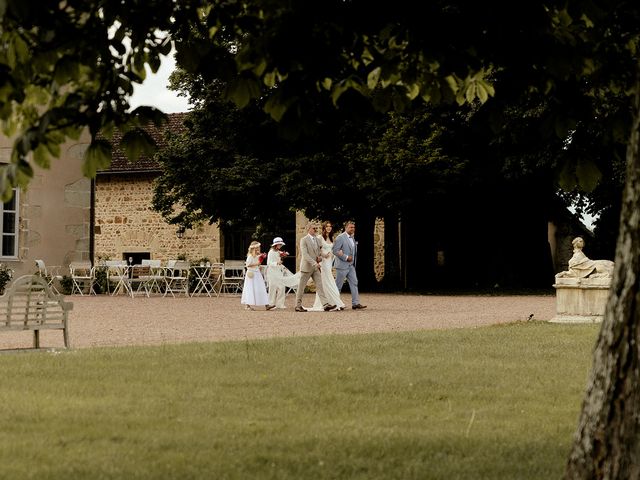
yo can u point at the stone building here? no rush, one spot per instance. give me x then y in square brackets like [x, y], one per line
[125, 224]
[51, 219]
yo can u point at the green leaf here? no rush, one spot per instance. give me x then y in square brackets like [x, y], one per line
[6, 189]
[470, 94]
[338, 90]
[392, 79]
[413, 91]
[567, 177]
[588, 175]
[154, 63]
[275, 107]
[366, 57]
[453, 84]
[22, 50]
[432, 94]
[373, 77]
[165, 47]
[269, 79]
[138, 63]
[242, 90]
[137, 142]
[483, 95]
[41, 156]
[53, 147]
[6, 91]
[96, 157]
[260, 67]
[24, 173]
[11, 55]
[487, 86]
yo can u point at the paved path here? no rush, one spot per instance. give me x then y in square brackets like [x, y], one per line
[117, 321]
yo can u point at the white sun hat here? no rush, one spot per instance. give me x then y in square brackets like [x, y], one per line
[277, 241]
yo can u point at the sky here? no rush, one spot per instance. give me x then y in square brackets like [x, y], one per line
[154, 92]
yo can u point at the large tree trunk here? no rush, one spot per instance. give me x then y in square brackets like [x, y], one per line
[607, 441]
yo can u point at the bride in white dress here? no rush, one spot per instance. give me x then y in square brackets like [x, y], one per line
[328, 281]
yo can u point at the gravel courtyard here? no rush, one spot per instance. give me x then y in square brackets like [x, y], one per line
[118, 321]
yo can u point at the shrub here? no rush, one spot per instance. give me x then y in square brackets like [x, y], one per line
[6, 274]
[65, 285]
[100, 283]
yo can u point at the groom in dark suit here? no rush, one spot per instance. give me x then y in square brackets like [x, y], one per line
[345, 249]
[311, 253]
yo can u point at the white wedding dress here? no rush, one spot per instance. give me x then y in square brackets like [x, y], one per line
[328, 282]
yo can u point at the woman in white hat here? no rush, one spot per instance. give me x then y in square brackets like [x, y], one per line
[275, 271]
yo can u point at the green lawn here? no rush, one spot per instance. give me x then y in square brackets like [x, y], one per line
[495, 403]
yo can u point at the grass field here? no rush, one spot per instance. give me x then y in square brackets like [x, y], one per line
[488, 403]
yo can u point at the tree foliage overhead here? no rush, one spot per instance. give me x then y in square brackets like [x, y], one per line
[72, 64]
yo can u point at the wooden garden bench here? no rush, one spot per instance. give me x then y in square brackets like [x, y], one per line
[30, 304]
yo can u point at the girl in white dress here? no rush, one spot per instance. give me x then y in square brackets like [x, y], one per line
[328, 281]
[254, 291]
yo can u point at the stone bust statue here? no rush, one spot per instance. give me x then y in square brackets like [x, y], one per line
[580, 266]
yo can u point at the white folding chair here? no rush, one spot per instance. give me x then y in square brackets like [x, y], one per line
[156, 281]
[214, 283]
[177, 278]
[50, 274]
[82, 277]
[233, 277]
[201, 273]
[140, 279]
[118, 274]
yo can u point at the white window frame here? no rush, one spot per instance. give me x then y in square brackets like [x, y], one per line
[16, 230]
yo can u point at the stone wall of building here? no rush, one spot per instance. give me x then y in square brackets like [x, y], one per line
[125, 222]
[54, 211]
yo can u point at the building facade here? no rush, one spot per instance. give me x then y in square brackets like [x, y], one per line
[51, 219]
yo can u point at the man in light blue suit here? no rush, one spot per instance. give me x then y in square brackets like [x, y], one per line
[345, 249]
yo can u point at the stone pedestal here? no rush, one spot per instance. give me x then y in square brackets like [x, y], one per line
[581, 300]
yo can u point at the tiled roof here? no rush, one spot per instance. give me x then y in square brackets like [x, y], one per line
[119, 161]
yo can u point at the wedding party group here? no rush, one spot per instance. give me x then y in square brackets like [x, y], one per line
[319, 254]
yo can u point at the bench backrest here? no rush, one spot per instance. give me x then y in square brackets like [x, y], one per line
[29, 301]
